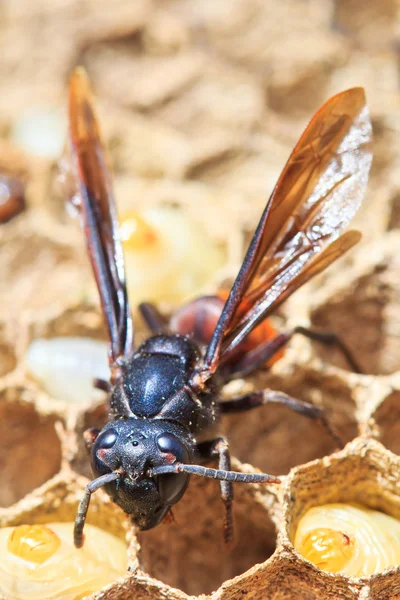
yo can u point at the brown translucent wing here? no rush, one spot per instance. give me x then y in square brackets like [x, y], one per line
[97, 208]
[316, 265]
[317, 194]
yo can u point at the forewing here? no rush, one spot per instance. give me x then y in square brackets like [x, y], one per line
[317, 194]
[96, 205]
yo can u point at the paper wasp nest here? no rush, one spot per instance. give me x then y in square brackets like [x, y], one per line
[201, 103]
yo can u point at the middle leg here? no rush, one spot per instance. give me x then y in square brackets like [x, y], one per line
[220, 448]
[264, 397]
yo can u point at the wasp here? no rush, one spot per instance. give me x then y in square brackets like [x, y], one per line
[164, 396]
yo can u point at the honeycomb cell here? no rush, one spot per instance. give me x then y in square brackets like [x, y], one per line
[189, 553]
[39, 270]
[366, 313]
[368, 23]
[66, 353]
[363, 474]
[266, 436]
[349, 538]
[41, 559]
[59, 500]
[80, 319]
[56, 502]
[66, 368]
[31, 447]
[387, 421]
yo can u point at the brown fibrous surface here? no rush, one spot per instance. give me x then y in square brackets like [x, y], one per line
[201, 103]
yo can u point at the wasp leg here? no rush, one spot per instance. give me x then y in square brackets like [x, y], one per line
[264, 352]
[330, 339]
[219, 447]
[102, 384]
[153, 318]
[263, 397]
[256, 358]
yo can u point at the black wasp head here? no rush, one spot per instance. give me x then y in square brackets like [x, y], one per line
[134, 447]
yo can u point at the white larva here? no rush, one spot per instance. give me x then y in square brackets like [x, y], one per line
[41, 132]
[168, 257]
[350, 539]
[65, 367]
[40, 562]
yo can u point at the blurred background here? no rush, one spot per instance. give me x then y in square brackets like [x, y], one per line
[201, 102]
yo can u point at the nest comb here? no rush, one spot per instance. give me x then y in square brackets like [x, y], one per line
[209, 122]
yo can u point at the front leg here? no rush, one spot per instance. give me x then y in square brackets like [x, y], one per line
[219, 447]
[263, 397]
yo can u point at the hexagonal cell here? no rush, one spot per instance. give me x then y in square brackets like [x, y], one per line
[190, 554]
[79, 320]
[31, 446]
[30, 259]
[366, 315]
[267, 436]
[363, 473]
[66, 353]
[387, 420]
[57, 502]
[367, 23]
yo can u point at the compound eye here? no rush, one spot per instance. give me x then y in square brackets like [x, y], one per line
[170, 444]
[106, 439]
[99, 458]
[171, 487]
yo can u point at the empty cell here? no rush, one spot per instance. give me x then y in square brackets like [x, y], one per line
[275, 439]
[189, 552]
[387, 420]
[367, 317]
[31, 448]
[38, 557]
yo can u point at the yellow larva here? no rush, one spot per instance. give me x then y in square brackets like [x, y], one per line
[349, 539]
[167, 256]
[40, 562]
